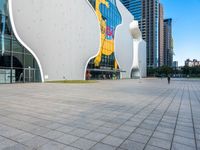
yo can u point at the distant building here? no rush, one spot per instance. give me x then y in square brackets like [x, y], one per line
[134, 7]
[161, 36]
[168, 43]
[192, 63]
[175, 64]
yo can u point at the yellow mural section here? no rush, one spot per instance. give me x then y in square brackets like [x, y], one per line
[107, 46]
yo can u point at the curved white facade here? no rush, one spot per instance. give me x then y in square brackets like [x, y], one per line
[124, 42]
[64, 35]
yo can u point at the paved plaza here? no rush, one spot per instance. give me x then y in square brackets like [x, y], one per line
[144, 114]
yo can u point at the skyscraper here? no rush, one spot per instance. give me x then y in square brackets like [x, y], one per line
[150, 16]
[168, 42]
[161, 36]
[147, 12]
[135, 8]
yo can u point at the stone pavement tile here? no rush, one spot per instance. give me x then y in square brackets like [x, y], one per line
[6, 144]
[167, 125]
[184, 128]
[148, 126]
[184, 134]
[95, 136]
[80, 132]
[153, 119]
[101, 146]
[2, 139]
[9, 132]
[23, 137]
[70, 148]
[111, 140]
[178, 146]
[111, 125]
[150, 147]
[198, 144]
[160, 143]
[67, 139]
[131, 145]
[104, 130]
[53, 134]
[119, 149]
[197, 130]
[118, 121]
[165, 130]
[35, 142]
[98, 122]
[52, 146]
[17, 147]
[40, 131]
[139, 138]
[132, 123]
[127, 128]
[120, 134]
[144, 131]
[161, 135]
[42, 123]
[89, 126]
[150, 121]
[54, 125]
[184, 120]
[198, 136]
[83, 144]
[186, 124]
[66, 129]
[183, 140]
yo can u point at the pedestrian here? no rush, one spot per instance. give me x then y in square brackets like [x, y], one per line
[168, 79]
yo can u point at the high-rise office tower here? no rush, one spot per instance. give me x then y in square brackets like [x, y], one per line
[147, 12]
[150, 14]
[161, 37]
[168, 43]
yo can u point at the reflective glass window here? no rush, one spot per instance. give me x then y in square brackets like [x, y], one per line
[17, 47]
[29, 61]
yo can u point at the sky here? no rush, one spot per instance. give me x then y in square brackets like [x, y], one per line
[186, 28]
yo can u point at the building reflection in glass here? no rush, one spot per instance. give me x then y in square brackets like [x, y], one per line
[17, 65]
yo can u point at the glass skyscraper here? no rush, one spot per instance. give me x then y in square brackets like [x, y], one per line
[135, 8]
[16, 63]
[168, 43]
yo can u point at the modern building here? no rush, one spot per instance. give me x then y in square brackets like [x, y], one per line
[135, 8]
[161, 36]
[17, 64]
[150, 15]
[168, 43]
[68, 40]
[147, 13]
[192, 63]
[175, 64]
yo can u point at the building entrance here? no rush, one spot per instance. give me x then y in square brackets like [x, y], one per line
[29, 74]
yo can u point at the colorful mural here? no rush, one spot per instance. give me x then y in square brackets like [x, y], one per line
[109, 18]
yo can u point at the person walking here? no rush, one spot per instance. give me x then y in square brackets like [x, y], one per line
[168, 79]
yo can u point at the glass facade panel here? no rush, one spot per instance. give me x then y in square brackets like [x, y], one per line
[5, 60]
[29, 61]
[17, 47]
[18, 60]
[17, 65]
[105, 65]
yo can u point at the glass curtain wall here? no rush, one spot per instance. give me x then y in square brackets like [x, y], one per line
[104, 65]
[17, 65]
